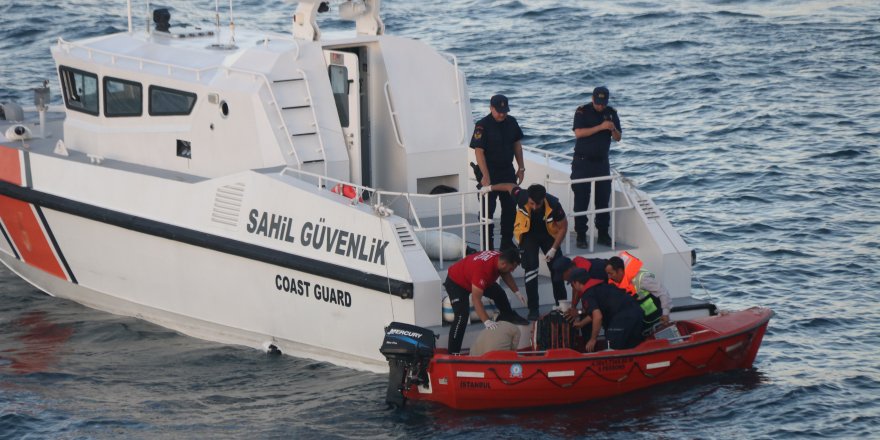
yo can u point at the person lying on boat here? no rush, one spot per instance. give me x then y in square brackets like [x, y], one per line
[504, 337]
[540, 224]
[473, 277]
[608, 307]
[627, 273]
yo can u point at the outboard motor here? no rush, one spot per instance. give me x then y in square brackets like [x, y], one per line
[408, 349]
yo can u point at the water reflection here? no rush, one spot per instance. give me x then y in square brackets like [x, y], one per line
[35, 343]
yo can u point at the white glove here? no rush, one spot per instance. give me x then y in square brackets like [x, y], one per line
[521, 298]
[550, 254]
[486, 189]
[490, 324]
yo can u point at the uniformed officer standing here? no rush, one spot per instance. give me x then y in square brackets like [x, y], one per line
[496, 142]
[595, 125]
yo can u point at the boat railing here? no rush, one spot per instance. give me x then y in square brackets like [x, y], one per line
[417, 207]
[590, 212]
[141, 62]
[457, 99]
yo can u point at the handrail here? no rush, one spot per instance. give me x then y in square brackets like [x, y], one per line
[591, 213]
[615, 176]
[457, 99]
[67, 45]
[274, 102]
[414, 218]
[323, 182]
[315, 117]
[548, 154]
[393, 114]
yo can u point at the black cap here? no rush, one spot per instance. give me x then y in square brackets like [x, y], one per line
[499, 103]
[601, 95]
[579, 275]
[559, 265]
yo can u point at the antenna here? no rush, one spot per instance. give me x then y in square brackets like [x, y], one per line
[217, 19]
[129, 16]
[231, 26]
[149, 27]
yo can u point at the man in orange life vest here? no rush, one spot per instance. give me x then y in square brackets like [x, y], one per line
[608, 307]
[473, 277]
[626, 272]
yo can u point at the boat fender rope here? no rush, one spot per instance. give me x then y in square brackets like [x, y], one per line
[636, 366]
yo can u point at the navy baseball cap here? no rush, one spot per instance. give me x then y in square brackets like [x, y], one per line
[560, 264]
[601, 95]
[579, 275]
[499, 103]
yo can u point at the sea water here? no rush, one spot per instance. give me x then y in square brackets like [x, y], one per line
[754, 125]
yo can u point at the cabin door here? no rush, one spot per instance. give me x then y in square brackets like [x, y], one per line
[345, 83]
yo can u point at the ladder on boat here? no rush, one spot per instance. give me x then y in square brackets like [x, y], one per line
[299, 122]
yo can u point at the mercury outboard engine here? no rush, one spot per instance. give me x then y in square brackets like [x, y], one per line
[408, 349]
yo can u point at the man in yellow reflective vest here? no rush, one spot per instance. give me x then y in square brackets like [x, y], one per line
[626, 273]
[540, 224]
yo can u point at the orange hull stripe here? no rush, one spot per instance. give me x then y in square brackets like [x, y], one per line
[24, 230]
[22, 223]
[10, 165]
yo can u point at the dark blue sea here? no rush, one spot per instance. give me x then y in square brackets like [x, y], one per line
[755, 126]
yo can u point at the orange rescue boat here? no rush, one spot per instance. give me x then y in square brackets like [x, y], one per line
[515, 379]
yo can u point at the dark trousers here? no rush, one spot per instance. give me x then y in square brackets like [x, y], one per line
[508, 214]
[582, 168]
[624, 330]
[529, 246]
[460, 299]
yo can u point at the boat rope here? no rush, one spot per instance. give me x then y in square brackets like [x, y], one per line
[626, 376]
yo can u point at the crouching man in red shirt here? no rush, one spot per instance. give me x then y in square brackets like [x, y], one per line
[473, 277]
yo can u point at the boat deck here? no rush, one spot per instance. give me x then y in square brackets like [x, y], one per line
[683, 307]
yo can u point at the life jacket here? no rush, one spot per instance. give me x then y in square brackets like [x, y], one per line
[632, 282]
[346, 191]
[524, 220]
[585, 264]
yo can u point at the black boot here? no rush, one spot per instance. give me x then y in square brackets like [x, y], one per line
[582, 241]
[604, 238]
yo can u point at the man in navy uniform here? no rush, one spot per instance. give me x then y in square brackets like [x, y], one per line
[608, 307]
[496, 143]
[595, 124]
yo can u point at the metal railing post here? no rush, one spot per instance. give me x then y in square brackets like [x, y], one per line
[440, 227]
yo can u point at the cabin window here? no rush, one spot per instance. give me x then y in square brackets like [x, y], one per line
[339, 85]
[80, 90]
[170, 102]
[122, 98]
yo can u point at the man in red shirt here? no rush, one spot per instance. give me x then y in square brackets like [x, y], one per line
[473, 277]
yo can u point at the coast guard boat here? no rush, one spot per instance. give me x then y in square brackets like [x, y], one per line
[281, 191]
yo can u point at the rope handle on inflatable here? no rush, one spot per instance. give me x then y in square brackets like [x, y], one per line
[635, 365]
